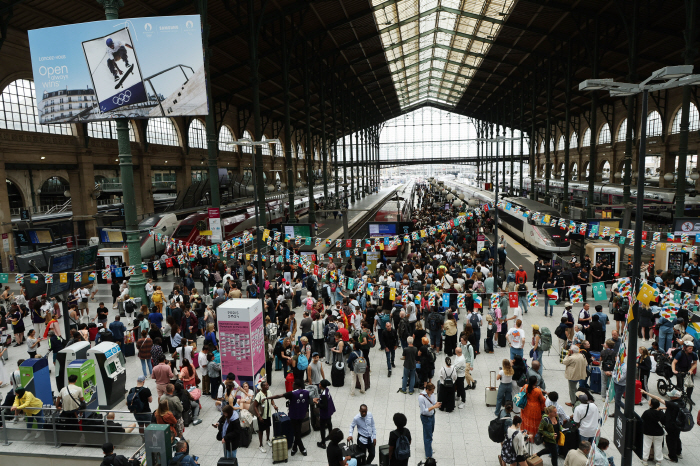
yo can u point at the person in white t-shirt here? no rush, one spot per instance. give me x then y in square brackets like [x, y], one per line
[516, 338]
[203, 373]
[116, 51]
[82, 294]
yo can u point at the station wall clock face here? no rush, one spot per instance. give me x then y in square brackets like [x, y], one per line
[201, 225]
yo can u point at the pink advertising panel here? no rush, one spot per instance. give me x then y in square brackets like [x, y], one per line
[242, 339]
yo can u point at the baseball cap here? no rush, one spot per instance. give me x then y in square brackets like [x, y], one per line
[141, 379]
[688, 343]
[535, 327]
[568, 304]
[314, 354]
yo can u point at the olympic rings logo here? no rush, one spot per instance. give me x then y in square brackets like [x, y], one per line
[122, 98]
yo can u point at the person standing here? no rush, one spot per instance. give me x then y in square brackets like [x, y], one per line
[586, 416]
[391, 342]
[358, 367]
[262, 409]
[203, 372]
[575, 371]
[427, 401]
[145, 345]
[410, 355]
[162, 373]
[673, 433]
[366, 432]
[516, 339]
[653, 420]
[460, 365]
[326, 410]
[298, 410]
[118, 330]
[399, 442]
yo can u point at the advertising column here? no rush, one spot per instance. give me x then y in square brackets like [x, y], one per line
[215, 225]
[242, 339]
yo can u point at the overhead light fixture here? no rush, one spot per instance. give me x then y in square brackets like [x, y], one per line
[42, 157]
[673, 72]
[594, 84]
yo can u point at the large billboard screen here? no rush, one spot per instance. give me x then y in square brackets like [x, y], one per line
[382, 229]
[130, 68]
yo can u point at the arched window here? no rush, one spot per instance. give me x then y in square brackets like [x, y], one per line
[574, 172]
[573, 141]
[562, 143]
[542, 147]
[107, 130]
[694, 120]
[162, 131]
[18, 110]
[197, 135]
[604, 136]
[653, 124]
[551, 145]
[622, 132]
[300, 152]
[586, 142]
[278, 150]
[587, 169]
[265, 147]
[606, 175]
[247, 149]
[225, 139]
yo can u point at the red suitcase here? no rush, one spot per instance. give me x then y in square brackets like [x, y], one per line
[289, 382]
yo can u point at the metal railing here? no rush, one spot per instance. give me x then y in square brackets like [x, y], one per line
[56, 430]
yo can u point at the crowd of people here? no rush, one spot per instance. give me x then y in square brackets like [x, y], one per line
[321, 334]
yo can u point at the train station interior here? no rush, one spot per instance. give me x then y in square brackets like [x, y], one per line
[332, 113]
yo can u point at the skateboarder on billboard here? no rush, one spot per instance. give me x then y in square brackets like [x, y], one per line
[117, 51]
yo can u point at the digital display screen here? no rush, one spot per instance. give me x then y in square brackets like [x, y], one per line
[382, 229]
[61, 262]
[56, 288]
[299, 230]
[112, 236]
[85, 257]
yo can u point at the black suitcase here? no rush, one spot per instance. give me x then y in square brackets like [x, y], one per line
[315, 416]
[306, 426]
[94, 423]
[129, 349]
[502, 339]
[354, 451]
[365, 376]
[446, 396]
[246, 436]
[282, 426]
[338, 374]
[384, 455]
[571, 439]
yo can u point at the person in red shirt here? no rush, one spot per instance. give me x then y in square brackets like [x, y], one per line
[345, 335]
[520, 276]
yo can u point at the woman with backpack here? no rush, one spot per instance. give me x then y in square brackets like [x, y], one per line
[358, 366]
[513, 448]
[399, 442]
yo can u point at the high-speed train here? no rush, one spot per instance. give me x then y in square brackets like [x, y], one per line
[612, 194]
[236, 219]
[397, 209]
[543, 239]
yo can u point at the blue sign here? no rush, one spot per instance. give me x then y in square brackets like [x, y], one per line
[136, 67]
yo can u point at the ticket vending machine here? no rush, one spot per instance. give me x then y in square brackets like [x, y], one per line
[65, 357]
[602, 250]
[159, 448]
[84, 369]
[672, 258]
[110, 373]
[35, 377]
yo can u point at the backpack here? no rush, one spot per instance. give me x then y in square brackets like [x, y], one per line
[434, 324]
[157, 298]
[326, 292]
[252, 291]
[545, 339]
[480, 288]
[684, 420]
[360, 364]
[384, 318]
[402, 449]
[333, 287]
[474, 320]
[287, 293]
[372, 340]
[608, 363]
[449, 382]
[560, 332]
[133, 401]
[508, 455]
[129, 306]
[497, 430]
[330, 333]
[309, 304]
[271, 331]
[403, 329]
[309, 283]
[433, 354]
[346, 348]
[302, 362]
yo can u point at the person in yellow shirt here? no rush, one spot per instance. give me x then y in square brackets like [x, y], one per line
[31, 405]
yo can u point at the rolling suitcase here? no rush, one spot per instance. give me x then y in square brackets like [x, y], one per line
[315, 416]
[533, 460]
[502, 339]
[280, 453]
[491, 390]
[338, 374]
[571, 439]
[282, 427]
[596, 380]
[637, 392]
[278, 364]
[246, 436]
[384, 455]
[306, 426]
[354, 451]
[365, 376]
[227, 461]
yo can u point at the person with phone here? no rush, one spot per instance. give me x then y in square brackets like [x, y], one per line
[427, 401]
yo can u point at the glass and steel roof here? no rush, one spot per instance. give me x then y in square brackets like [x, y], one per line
[434, 47]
